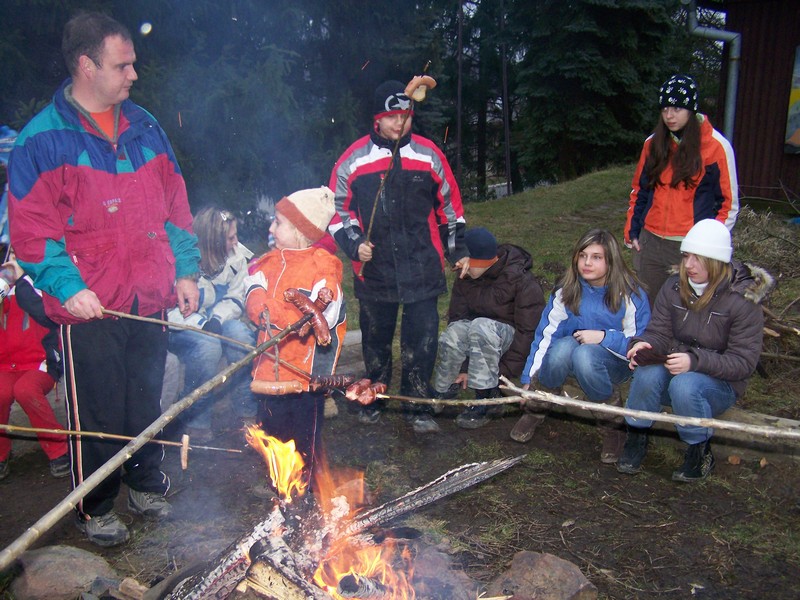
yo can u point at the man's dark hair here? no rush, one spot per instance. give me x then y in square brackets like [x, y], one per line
[85, 33]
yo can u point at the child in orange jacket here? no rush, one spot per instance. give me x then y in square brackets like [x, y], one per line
[309, 273]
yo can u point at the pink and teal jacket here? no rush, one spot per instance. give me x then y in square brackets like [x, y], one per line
[85, 213]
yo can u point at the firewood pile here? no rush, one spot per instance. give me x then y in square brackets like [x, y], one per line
[299, 550]
[768, 241]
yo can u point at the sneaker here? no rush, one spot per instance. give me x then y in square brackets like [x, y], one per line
[104, 530]
[5, 470]
[473, 417]
[149, 504]
[698, 462]
[634, 451]
[526, 426]
[369, 416]
[613, 444]
[59, 467]
[424, 423]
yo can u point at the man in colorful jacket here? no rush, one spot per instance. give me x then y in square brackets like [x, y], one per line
[398, 247]
[100, 220]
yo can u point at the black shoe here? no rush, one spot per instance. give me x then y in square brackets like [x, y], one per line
[473, 417]
[634, 451]
[698, 462]
[424, 423]
[369, 416]
[59, 467]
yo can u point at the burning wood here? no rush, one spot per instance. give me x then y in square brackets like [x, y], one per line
[353, 586]
[317, 555]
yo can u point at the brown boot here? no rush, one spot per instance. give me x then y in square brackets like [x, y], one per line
[526, 426]
[613, 443]
[612, 430]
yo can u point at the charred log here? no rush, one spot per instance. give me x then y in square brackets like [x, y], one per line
[355, 586]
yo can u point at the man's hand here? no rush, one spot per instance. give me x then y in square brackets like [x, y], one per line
[462, 266]
[365, 251]
[635, 244]
[84, 305]
[188, 295]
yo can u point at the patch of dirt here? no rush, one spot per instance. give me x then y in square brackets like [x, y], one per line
[733, 536]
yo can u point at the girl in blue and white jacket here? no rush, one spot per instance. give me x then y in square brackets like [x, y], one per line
[584, 331]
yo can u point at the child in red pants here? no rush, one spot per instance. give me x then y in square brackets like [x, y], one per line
[30, 365]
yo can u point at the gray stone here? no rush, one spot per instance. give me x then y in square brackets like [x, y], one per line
[544, 577]
[58, 573]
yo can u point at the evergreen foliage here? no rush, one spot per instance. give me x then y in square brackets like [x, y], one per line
[260, 98]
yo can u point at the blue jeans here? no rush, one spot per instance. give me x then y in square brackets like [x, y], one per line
[596, 369]
[690, 395]
[201, 355]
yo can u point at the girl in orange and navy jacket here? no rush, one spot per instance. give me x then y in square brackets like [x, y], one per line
[686, 173]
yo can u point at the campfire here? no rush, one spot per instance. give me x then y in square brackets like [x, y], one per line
[323, 545]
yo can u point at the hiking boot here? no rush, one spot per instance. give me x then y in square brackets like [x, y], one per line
[104, 530]
[451, 394]
[59, 467]
[5, 470]
[698, 462]
[473, 417]
[613, 444]
[149, 504]
[634, 451]
[424, 423]
[369, 416]
[526, 426]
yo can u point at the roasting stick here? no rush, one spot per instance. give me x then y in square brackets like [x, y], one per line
[23, 542]
[223, 338]
[764, 430]
[106, 436]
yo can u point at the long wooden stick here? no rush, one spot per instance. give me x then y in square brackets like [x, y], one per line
[223, 338]
[106, 436]
[766, 431]
[13, 550]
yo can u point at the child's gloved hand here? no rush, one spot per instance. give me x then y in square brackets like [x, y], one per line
[213, 325]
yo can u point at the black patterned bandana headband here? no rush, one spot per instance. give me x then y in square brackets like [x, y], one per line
[679, 91]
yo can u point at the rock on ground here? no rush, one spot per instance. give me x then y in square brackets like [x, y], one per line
[58, 573]
[544, 577]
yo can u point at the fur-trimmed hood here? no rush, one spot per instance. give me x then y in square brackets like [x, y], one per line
[752, 282]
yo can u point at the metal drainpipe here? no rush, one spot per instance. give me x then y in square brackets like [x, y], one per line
[734, 56]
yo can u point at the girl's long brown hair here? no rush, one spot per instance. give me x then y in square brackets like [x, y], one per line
[718, 272]
[686, 159]
[621, 283]
[212, 225]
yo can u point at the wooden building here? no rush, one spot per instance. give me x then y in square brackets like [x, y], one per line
[770, 31]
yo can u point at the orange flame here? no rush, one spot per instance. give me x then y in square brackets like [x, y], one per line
[373, 562]
[284, 461]
[340, 495]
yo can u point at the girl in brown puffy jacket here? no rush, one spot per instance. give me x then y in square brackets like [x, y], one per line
[701, 346]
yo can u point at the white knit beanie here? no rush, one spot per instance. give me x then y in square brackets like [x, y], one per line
[709, 238]
[310, 211]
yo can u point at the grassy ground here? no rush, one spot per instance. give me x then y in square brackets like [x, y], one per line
[547, 221]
